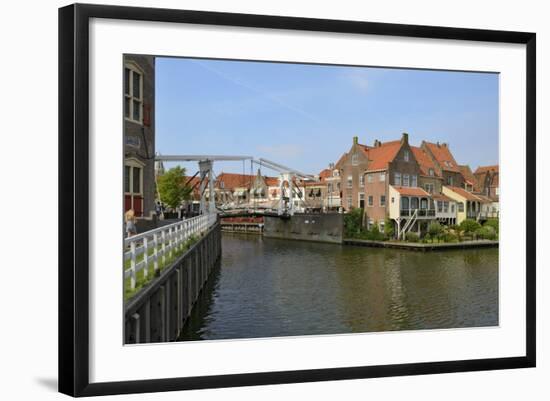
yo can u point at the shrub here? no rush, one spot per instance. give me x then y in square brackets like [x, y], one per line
[493, 223]
[388, 228]
[486, 232]
[435, 229]
[469, 226]
[427, 238]
[353, 222]
[412, 237]
[449, 236]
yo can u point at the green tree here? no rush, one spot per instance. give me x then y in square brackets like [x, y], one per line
[388, 227]
[172, 188]
[469, 226]
[492, 223]
[435, 229]
[353, 222]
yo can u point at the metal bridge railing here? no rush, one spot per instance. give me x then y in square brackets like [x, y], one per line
[155, 246]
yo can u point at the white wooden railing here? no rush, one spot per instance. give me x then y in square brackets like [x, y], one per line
[163, 242]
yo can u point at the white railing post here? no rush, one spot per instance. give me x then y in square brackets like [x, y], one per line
[163, 236]
[145, 257]
[170, 242]
[133, 265]
[155, 252]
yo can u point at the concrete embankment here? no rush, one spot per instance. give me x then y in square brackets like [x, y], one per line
[158, 312]
[306, 227]
[415, 246]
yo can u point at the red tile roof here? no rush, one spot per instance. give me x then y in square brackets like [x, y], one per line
[468, 175]
[424, 162]
[441, 197]
[232, 180]
[325, 173]
[484, 169]
[380, 156]
[411, 191]
[271, 181]
[443, 156]
[465, 194]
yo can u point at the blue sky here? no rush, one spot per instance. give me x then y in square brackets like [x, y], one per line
[305, 116]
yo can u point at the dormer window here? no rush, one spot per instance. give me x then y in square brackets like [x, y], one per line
[406, 155]
[431, 172]
[222, 185]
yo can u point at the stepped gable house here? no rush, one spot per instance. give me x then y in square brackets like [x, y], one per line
[139, 134]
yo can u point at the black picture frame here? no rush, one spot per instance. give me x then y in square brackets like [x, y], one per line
[74, 200]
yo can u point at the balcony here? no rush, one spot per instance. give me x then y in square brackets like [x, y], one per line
[422, 213]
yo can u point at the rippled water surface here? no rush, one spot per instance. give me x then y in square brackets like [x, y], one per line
[271, 287]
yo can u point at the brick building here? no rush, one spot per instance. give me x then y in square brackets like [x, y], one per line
[139, 134]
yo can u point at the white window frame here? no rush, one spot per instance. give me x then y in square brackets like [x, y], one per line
[431, 172]
[350, 181]
[397, 179]
[370, 178]
[354, 159]
[361, 180]
[134, 69]
[406, 155]
[406, 181]
[414, 180]
[349, 201]
[382, 176]
[382, 204]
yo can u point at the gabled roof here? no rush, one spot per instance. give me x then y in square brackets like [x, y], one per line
[484, 169]
[468, 175]
[381, 155]
[232, 180]
[443, 156]
[411, 191]
[462, 192]
[325, 174]
[424, 162]
[340, 161]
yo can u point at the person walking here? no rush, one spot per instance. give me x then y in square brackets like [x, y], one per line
[130, 220]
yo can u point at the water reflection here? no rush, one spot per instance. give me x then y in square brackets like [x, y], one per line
[270, 287]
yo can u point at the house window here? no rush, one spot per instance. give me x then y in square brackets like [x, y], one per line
[446, 207]
[350, 181]
[450, 180]
[431, 172]
[439, 206]
[414, 181]
[397, 179]
[329, 188]
[414, 203]
[406, 155]
[405, 180]
[127, 179]
[133, 94]
[362, 201]
[369, 178]
[371, 200]
[382, 176]
[423, 203]
[461, 207]
[429, 188]
[222, 185]
[382, 200]
[354, 159]
[349, 201]
[362, 180]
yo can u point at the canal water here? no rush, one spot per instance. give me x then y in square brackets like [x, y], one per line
[271, 287]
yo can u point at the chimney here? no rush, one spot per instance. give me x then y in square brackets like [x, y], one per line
[331, 166]
[355, 140]
[377, 143]
[445, 145]
[438, 145]
[405, 138]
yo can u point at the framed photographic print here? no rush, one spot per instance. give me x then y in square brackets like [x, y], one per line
[251, 199]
